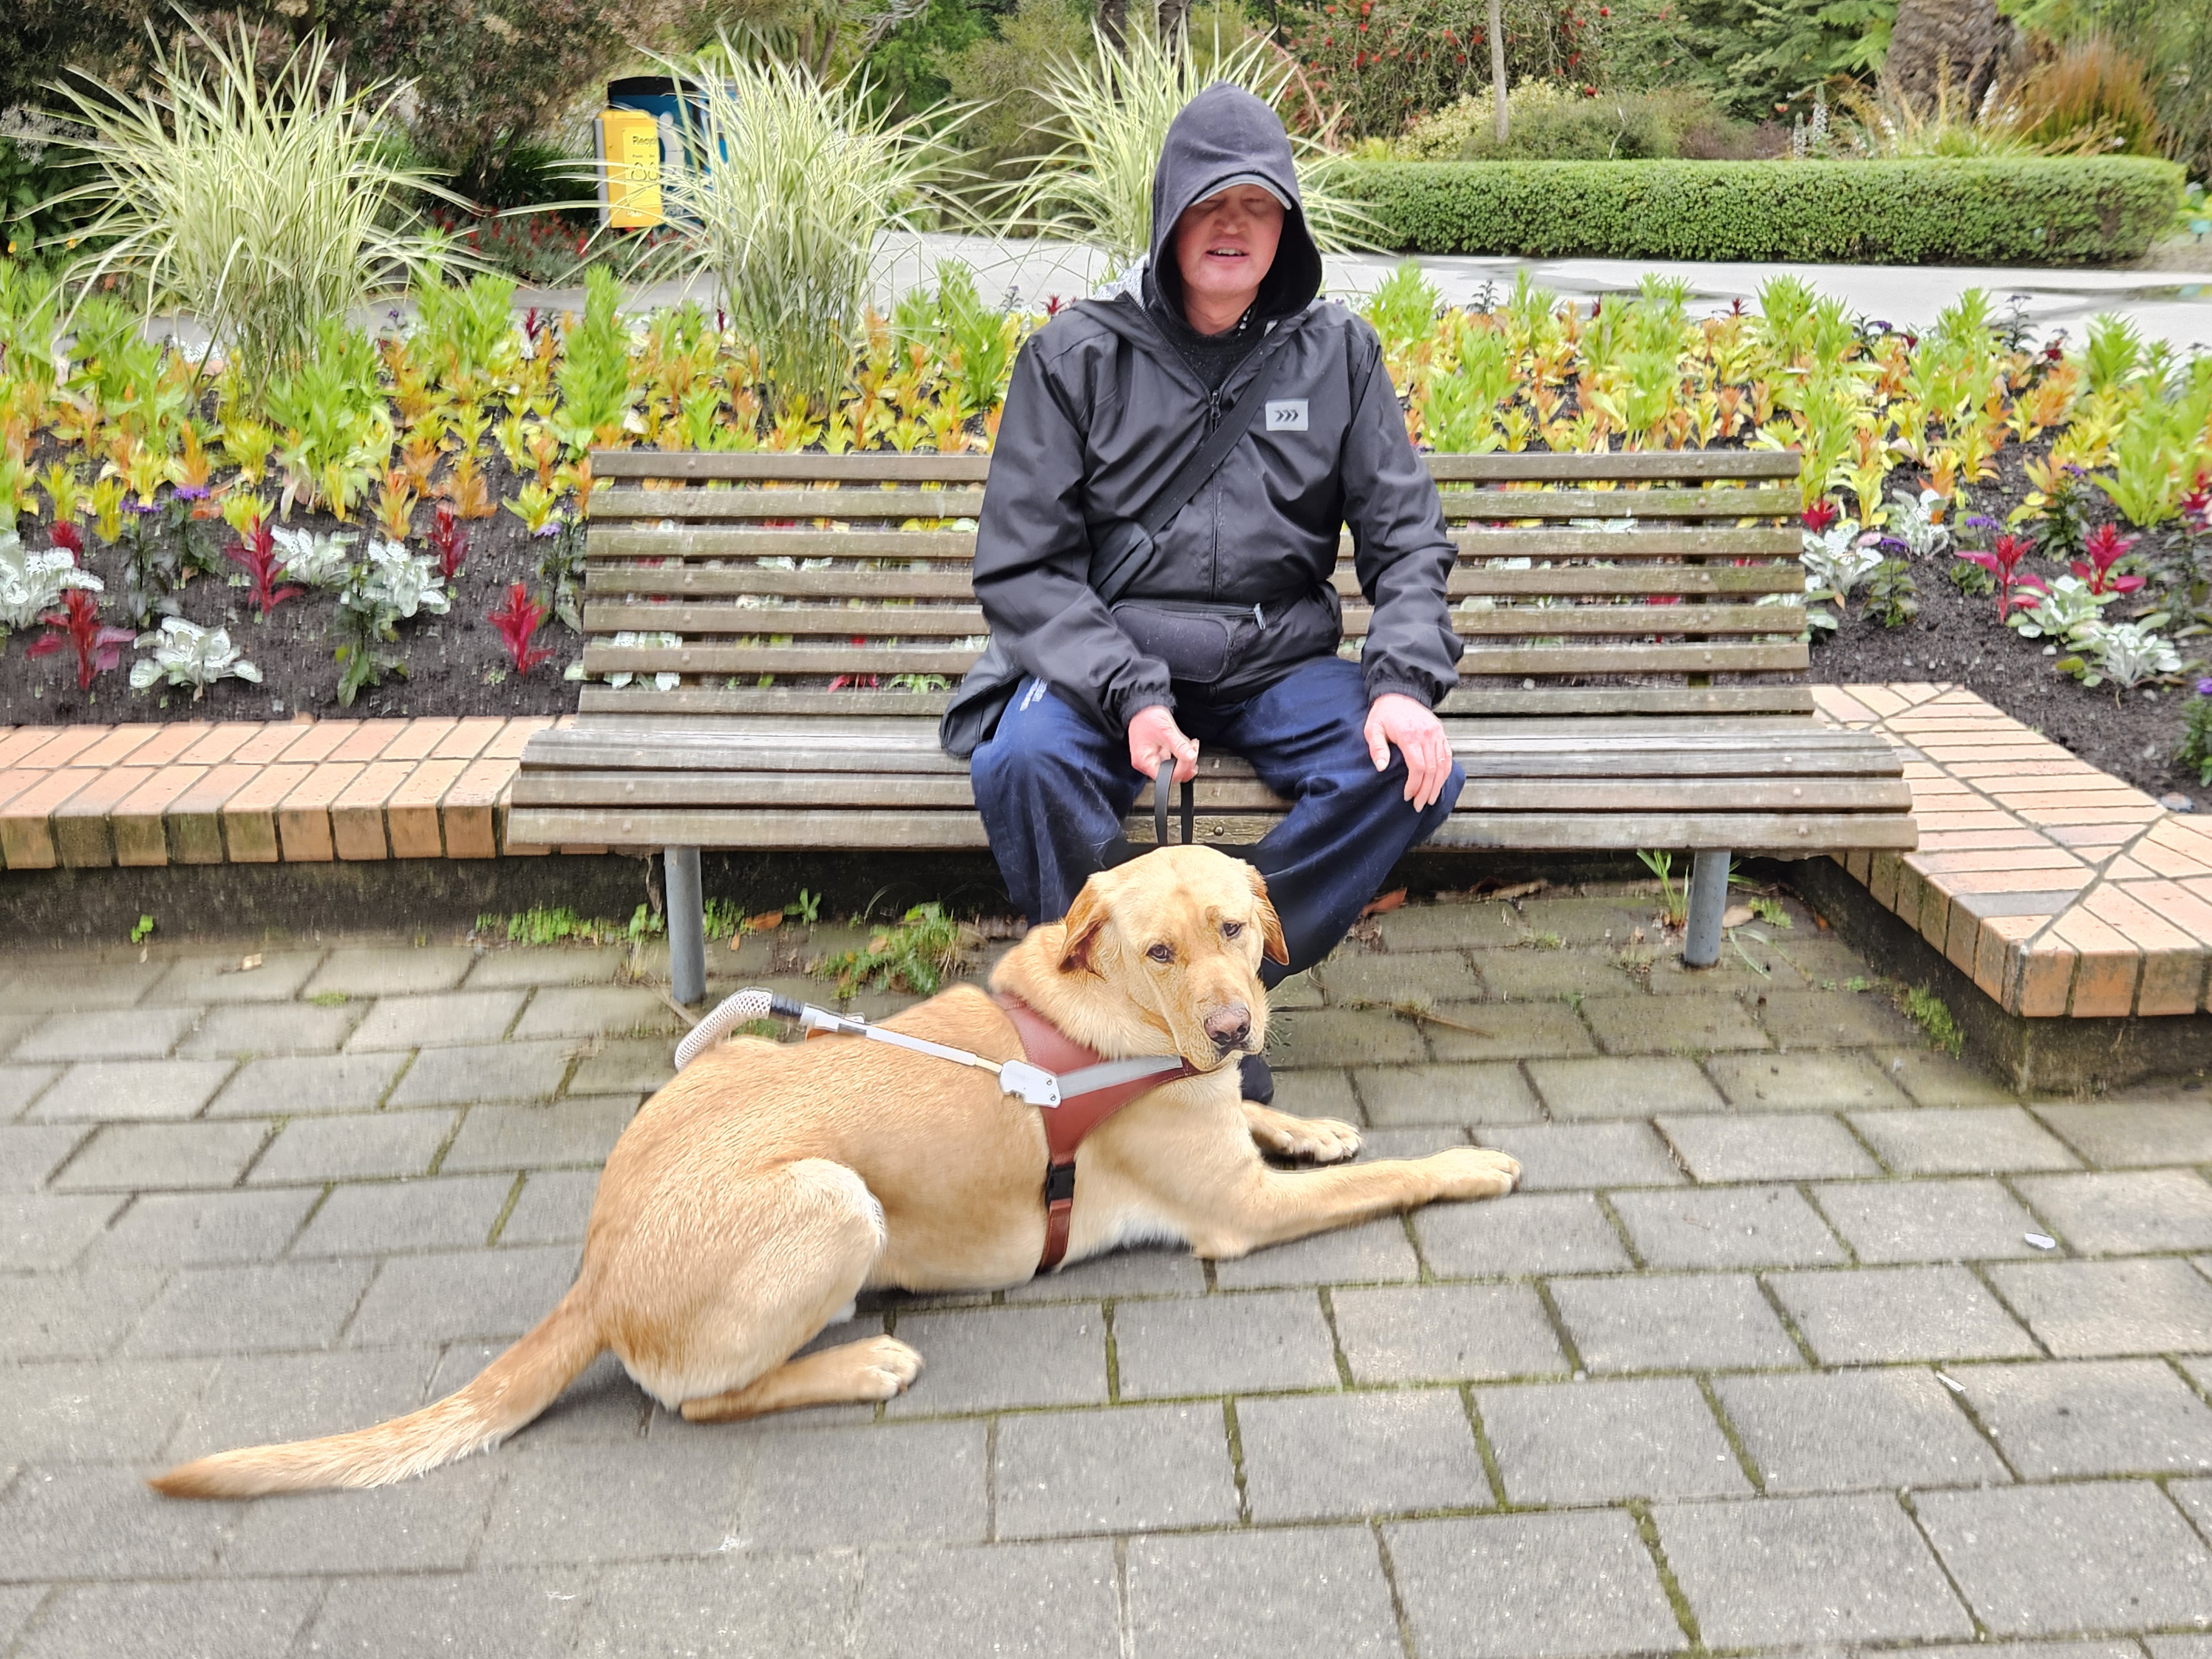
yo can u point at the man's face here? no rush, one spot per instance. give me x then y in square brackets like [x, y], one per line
[1224, 246]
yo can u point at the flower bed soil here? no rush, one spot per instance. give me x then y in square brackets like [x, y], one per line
[1957, 638]
[457, 664]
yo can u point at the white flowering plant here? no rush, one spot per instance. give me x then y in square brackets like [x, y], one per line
[32, 584]
[385, 587]
[184, 653]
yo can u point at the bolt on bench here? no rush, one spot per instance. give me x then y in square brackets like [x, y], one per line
[791, 623]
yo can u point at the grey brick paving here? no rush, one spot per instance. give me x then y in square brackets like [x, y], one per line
[1975, 1140]
[1695, 1024]
[1268, 1339]
[2133, 1214]
[2049, 1560]
[1480, 1093]
[2117, 1136]
[239, 1621]
[1220, 1596]
[1375, 1254]
[1387, 1454]
[1725, 1227]
[278, 1028]
[1881, 1314]
[1792, 1570]
[1847, 1430]
[2092, 1417]
[1779, 1146]
[133, 1034]
[984, 1358]
[203, 1230]
[368, 1144]
[1622, 1088]
[1125, 1470]
[2082, 1309]
[250, 1309]
[1568, 1156]
[127, 1091]
[1143, 1454]
[150, 1157]
[1443, 1333]
[1803, 1082]
[1532, 1586]
[1595, 1442]
[1690, 1322]
[372, 1218]
[292, 1086]
[423, 1298]
[1530, 1233]
[1928, 1220]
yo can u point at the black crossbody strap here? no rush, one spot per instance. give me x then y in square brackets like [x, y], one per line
[1191, 476]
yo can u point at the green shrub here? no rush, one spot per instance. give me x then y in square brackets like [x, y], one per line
[1547, 121]
[2041, 211]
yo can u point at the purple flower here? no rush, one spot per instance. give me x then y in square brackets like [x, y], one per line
[191, 492]
[142, 508]
[2204, 688]
[1981, 521]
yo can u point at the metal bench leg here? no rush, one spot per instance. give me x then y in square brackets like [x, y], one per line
[687, 926]
[1701, 938]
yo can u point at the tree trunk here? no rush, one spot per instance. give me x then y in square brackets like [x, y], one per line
[1175, 18]
[1113, 21]
[1498, 65]
[1943, 44]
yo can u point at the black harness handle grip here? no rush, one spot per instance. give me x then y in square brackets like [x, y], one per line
[1161, 784]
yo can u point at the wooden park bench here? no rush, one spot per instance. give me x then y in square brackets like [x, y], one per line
[1633, 675]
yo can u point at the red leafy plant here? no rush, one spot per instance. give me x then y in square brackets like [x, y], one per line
[449, 541]
[77, 624]
[1819, 516]
[70, 538]
[516, 621]
[2105, 547]
[255, 552]
[2002, 562]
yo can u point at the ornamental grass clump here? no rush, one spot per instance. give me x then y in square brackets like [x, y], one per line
[1111, 115]
[263, 203]
[789, 187]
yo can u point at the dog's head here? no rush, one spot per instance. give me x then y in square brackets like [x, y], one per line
[1179, 933]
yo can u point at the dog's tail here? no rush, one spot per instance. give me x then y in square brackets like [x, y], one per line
[506, 1395]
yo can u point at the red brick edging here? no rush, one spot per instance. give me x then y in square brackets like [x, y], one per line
[89, 797]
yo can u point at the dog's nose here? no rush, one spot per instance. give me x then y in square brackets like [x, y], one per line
[1229, 1026]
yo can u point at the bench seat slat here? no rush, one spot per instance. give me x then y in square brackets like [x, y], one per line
[1717, 657]
[897, 829]
[690, 703]
[1465, 581]
[973, 469]
[632, 540]
[958, 502]
[959, 622]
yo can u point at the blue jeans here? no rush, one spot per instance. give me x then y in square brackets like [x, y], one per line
[1053, 791]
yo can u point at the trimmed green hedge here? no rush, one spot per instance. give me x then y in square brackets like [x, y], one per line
[2041, 211]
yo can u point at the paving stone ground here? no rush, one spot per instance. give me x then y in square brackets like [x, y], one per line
[1765, 1356]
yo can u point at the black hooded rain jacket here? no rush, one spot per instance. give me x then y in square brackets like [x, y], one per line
[1103, 409]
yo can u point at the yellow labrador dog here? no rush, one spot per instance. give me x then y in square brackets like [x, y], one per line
[755, 1195]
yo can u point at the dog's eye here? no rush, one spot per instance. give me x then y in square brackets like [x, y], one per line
[1162, 953]
[1231, 929]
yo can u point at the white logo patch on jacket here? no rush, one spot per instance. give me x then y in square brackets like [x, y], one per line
[1286, 415]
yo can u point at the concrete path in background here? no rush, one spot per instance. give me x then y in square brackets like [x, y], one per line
[1799, 1337]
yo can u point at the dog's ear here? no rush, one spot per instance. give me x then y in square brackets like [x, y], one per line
[1084, 918]
[1270, 925]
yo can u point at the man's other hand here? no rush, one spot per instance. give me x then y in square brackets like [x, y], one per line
[1396, 719]
[1154, 737]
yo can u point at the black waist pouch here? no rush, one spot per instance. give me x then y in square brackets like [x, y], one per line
[1226, 648]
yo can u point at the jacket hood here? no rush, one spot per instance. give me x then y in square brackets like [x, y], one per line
[1224, 134]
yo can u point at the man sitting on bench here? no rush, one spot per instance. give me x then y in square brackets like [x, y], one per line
[1139, 611]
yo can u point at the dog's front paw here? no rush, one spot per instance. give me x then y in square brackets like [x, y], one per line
[1311, 1139]
[884, 1367]
[1475, 1172]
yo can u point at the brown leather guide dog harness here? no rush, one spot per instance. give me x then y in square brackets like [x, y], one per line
[1075, 1088]
[1044, 1044]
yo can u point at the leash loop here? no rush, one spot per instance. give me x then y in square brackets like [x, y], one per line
[1161, 784]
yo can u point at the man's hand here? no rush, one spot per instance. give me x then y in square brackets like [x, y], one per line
[1154, 737]
[1394, 718]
